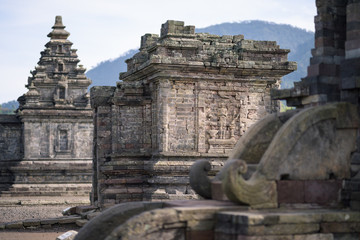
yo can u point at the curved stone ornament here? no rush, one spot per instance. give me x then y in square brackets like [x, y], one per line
[199, 180]
[314, 144]
[256, 192]
[257, 138]
[311, 144]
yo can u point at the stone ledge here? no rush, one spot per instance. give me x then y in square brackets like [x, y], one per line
[78, 220]
[9, 201]
[286, 221]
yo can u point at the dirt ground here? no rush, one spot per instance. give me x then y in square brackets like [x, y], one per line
[48, 234]
[16, 213]
[28, 236]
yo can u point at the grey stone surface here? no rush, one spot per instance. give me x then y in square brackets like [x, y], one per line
[69, 235]
[315, 144]
[177, 222]
[101, 226]
[10, 138]
[14, 225]
[31, 223]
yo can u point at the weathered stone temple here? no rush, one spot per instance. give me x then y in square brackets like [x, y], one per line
[306, 183]
[185, 96]
[46, 148]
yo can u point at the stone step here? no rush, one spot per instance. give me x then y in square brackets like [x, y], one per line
[48, 178]
[44, 193]
[44, 200]
[17, 190]
[46, 188]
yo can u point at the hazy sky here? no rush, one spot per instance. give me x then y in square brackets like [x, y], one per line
[105, 29]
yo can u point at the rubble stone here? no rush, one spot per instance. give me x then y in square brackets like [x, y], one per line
[69, 235]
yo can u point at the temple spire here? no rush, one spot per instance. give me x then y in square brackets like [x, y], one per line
[58, 31]
[57, 73]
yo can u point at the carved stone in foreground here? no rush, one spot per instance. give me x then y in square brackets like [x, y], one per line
[250, 148]
[314, 144]
[257, 192]
[199, 179]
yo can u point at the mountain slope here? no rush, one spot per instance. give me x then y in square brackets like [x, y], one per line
[9, 107]
[299, 41]
[107, 72]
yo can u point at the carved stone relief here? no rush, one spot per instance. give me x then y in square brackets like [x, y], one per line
[222, 122]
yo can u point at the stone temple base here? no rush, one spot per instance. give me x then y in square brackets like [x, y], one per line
[209, 219]
[54, 178]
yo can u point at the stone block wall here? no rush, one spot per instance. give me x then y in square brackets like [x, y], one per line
[11, 138]
[184, 97]
[57, 139]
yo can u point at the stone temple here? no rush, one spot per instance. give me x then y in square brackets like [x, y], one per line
[46, 148]
[187, 103]
[185, 96]
[291, 176]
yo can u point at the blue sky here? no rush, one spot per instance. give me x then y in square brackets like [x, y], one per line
[105, 29]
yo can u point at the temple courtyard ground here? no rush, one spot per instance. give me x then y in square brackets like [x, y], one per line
[12, 210]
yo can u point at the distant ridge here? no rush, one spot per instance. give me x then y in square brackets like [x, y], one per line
[9, 107]
[106, 73]
[299, 41]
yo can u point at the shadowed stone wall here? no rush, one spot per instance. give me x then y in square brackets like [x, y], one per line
[10, 142]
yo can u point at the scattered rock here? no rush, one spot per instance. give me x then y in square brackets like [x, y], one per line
[83, 209]
[14, 225]
[69, 235]
[70, 219]
[31, 223]
[69, 211]
[92, 215]
[81, 222]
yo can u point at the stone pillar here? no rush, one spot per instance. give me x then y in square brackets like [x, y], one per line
[350, 67]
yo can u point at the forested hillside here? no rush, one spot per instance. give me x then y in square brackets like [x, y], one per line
[9, 107]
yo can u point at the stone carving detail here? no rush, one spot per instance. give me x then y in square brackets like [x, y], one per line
[221, 128]
[314, 144]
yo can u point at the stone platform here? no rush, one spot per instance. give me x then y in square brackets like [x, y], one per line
[52, 178]
[209, 219]
[44, 200]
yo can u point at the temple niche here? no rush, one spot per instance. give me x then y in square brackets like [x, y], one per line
[185, 96]
[55, 118]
